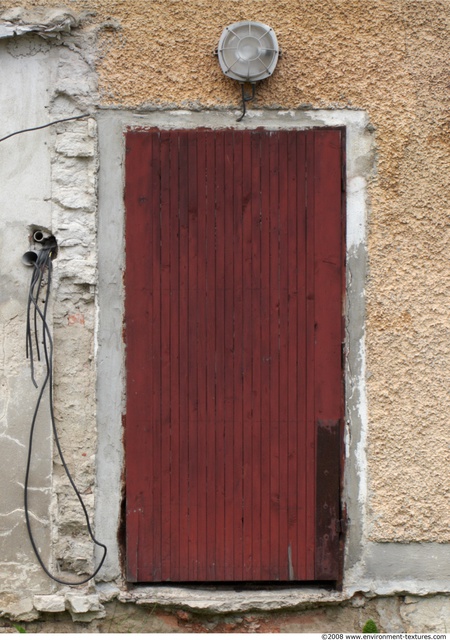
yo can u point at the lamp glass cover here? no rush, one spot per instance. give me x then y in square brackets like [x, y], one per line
[248, 51]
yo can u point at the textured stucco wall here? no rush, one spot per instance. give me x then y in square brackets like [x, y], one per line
[385, 58]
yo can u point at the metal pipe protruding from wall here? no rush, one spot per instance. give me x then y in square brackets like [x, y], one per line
[29, 258]
[38, 236]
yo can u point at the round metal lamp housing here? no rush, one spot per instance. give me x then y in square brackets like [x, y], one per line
[248, 51]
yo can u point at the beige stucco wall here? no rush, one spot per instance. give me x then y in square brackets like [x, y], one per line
[389, 58]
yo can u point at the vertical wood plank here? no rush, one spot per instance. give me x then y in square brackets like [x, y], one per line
[327, 500]
[302, 376]
[202, 355]
[238, 415]
[149, 545]
[184, 399]
[274, 390]
[328, 271]
[328, 336]
[265, 359]
[210, 357]
[166, 418]
[310, 435]
[152, 561]
[174, 359]
[192, 340]
[139, 242]
[292, 365]
[255, 297]
[286, 567]
[247, 330]
[229, 560]
[220, 353]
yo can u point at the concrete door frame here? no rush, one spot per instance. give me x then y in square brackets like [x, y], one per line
[111, 252]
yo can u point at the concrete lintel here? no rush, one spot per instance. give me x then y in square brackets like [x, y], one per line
[226, 119]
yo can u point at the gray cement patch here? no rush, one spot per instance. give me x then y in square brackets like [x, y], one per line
[24, 200]
[388, 568]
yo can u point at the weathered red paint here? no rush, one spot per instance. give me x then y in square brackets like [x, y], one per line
[234, 286]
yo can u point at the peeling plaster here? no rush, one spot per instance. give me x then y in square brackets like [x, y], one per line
[47, 23]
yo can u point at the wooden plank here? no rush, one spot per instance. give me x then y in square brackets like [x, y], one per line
[202, 355]
[310, 428]
[274, 359]
[328, 270]
[304, 544]
[152, 562]
[220, 354]
[137, 201]
[247, 329]
[327, 499]
[166, 418]
[210, 339]
[238, 407]
[286, 570]
[183, 329]
[265, 358]
[174, 532]
[229, 560]
[149, 541]
[294, 464]
[255, 297]
[328, 331]
[192, 340]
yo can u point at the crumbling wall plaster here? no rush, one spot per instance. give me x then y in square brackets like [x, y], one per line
[49, 182]
[74, 164]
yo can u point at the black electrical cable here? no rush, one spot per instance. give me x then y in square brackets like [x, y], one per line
[29, 338]
[245, 99]
[37, 276]
[42, 266]
[43, 126]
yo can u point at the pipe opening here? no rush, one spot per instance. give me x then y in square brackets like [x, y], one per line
[29, 258]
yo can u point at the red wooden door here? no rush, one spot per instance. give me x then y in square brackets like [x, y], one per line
[234, 287]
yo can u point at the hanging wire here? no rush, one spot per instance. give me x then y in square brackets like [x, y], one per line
[43, 126]
[41, 268]
[245, 99]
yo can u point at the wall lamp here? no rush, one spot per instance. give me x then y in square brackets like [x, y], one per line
[248, 52]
